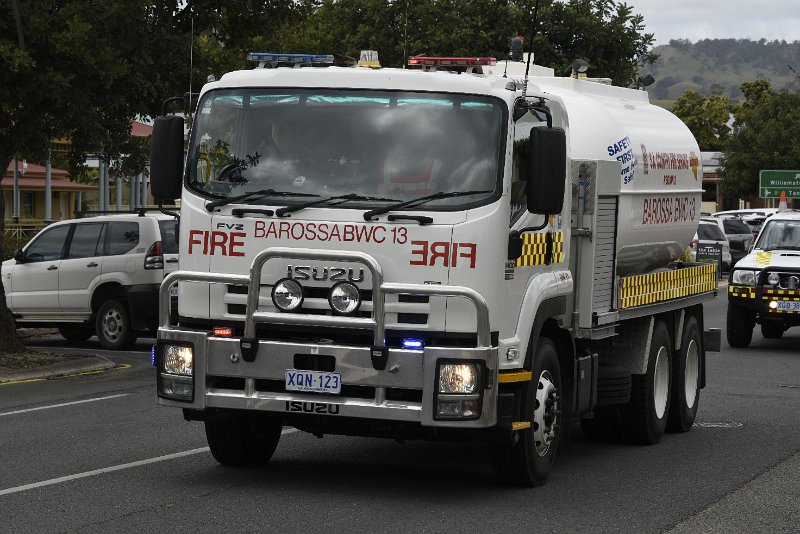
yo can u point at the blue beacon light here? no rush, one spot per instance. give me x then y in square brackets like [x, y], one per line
[413, 344]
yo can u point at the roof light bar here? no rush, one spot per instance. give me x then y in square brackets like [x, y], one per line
[298, 60]
[428, 61]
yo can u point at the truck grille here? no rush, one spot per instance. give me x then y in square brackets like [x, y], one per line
[315, 301]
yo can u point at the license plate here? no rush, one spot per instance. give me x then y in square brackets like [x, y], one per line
[313, 381]
[789, 305]
[173, 291]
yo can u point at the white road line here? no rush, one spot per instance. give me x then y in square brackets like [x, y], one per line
[64, 404]
[113, 468]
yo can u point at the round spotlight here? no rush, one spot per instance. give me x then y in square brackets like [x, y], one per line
[773, 279]
[344, 298]
[287, 295]
[794, 282]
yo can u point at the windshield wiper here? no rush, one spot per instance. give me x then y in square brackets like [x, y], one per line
[280, 212]
[368, 216]
[252, 195]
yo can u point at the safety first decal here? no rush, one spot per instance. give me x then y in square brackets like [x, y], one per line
[229, 240]
[646, 289]
[534, 248]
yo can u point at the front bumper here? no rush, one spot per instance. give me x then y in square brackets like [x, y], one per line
[758, 299]
[402, 389]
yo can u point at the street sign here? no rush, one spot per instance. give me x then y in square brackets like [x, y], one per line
[710, 252]
[773, 183]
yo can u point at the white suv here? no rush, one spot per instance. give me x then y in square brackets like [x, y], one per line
[99, 275]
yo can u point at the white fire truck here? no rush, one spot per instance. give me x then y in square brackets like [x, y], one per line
[431, 254]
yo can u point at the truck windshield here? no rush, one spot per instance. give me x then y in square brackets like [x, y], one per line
[382, 146]
[779, 234]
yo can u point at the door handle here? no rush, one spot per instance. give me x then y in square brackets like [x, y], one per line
[93, 264]
[52, 268]
[172, 260]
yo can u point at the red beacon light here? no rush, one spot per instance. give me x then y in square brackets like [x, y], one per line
[461, 64]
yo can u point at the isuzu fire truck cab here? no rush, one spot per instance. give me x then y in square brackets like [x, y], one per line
[438, 255]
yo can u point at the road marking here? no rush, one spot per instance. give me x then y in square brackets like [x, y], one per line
[113, 468]
[65, 404]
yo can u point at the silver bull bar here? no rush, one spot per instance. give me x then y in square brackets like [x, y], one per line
[417, 371]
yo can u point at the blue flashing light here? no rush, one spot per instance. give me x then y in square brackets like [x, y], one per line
[413, 344]
[296, 59]
[153, 355]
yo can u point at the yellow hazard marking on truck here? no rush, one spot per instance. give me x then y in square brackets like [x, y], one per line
[645, 289]
[515, 376]
[763, 258]
[745, 292]
[534, 249]
[520, 425]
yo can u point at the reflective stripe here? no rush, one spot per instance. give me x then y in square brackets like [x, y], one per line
[644, 289]
[520, 425]
[516, 376]
[534, 249]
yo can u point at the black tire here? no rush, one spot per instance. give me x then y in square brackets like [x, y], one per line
[113, 325]
[245, 440]
[644, 418]
[75, 333]
[772, 330]
[604, 427]
[686, 379]
[526, 460]
[740, 324]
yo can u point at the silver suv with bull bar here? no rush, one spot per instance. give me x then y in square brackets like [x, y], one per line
[456, 383]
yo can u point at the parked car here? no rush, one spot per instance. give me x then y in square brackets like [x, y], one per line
[710, 233]
[754, 217]
[99, 275]
[739, 234]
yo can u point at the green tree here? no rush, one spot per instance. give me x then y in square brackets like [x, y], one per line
[706, 117]
[81, 70]
[766, 135]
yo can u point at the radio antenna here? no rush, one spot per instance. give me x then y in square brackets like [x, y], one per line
[530, 48]
[191, 65]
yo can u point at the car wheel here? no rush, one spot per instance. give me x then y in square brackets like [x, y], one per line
[644, 418]
[249, 439]
[75, 333]
[772, 330]
[686, 379]
[527, 458]
[739, 328]
[113, 326]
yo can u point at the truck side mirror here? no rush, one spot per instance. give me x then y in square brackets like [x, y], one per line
[19, 255]
[547, 170]
[166, 158]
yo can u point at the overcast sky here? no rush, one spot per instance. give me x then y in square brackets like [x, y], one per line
[720, 19]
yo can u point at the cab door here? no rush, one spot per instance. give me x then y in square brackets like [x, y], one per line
[35, 280]
[81, 265]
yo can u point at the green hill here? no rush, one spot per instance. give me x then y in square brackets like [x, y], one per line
[718, 66]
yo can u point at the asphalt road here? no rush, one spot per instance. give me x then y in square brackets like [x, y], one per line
[95, 453]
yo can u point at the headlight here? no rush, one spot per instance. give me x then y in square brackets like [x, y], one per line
[344, 298]
[287, 295]
[773, 279]
[746, 278]
[178, 360]
[458, 378]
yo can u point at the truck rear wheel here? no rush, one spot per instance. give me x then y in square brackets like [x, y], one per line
[527, 458]
[686, 379]
[244, 440]
[645, 416]
[739, 328]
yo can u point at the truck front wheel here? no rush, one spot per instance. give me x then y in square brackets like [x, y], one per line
[526, 459]
[739, 328]
[645, 416]
[244, 440]
[772, 330]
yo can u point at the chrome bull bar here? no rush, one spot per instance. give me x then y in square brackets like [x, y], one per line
[379, 290]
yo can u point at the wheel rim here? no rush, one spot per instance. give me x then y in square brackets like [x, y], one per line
[691, 373]
[661, 382]
[112, 325]
[545, 414]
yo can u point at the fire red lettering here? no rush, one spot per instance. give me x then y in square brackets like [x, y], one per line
[195, 240]
[349, 233]
[271, 231]
[219, 240]
[440, 249]
[421, 250]
[259, 229]
[470, 254]
[295, 235]
[334, 232]
[283, 230]
[237, 241]
[375, 234]
[311, 231]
